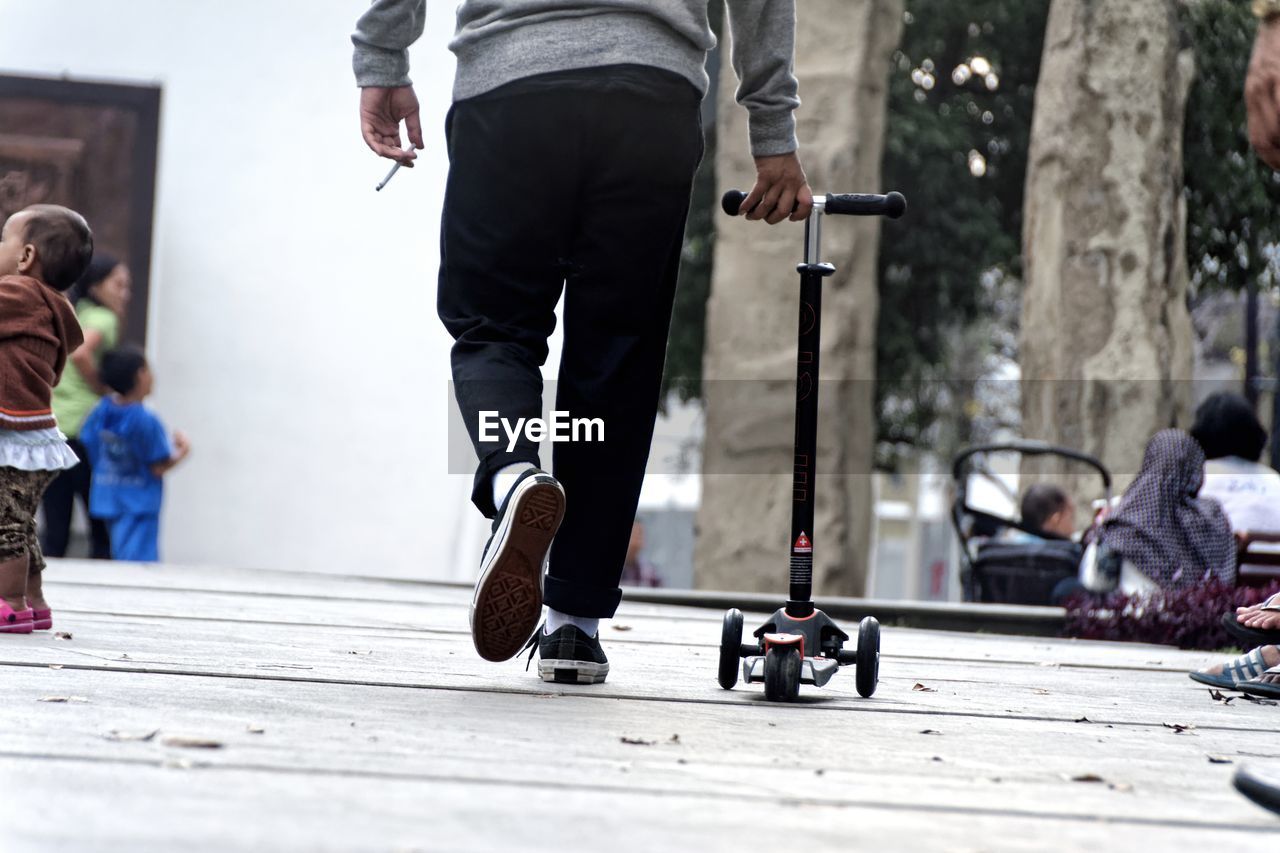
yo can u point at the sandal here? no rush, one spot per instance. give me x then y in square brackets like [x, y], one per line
[1244, 668]
[42, 620]
[14, 621]
[1251, 636]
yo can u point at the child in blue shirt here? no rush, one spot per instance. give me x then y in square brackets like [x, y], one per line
[129, 453]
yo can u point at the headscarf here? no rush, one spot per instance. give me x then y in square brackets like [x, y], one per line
[1170, 535]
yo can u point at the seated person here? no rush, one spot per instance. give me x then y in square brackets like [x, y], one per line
[1163, 534]
[1233, 439]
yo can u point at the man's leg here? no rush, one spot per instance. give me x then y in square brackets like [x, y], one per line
[617, 314]
[504, 240]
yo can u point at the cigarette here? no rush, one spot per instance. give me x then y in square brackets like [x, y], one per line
[390, 174]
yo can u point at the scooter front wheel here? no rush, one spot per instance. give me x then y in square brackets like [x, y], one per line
[782, 673]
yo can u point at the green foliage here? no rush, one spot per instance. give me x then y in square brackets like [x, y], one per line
[1232, 196]
[960, 225]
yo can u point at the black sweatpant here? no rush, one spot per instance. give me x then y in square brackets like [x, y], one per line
[585, 191]
[58, 504]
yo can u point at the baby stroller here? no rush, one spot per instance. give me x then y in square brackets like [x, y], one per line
[1005, 560]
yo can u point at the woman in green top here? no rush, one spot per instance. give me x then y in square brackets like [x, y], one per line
[100, 297]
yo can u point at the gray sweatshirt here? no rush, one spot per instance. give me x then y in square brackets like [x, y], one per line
[498, 41]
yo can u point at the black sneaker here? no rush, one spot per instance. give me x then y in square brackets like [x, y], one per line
[507, 603]
[569, 656]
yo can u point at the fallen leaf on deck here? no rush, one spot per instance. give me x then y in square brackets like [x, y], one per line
[1088, 777]
[1219, 759]
[930, 732]
[936, 758]
[117, 735]
[622, 627]
[62, 635]
[674, 739]
[1216, 695]
[920, 688]
[63, 699]
[635, 741]
[819, 772]
[360, 653]
[183, 742]
[254, 730]
[55, 666]
[1083, 720]
[1249, 698]
[1178, 728]
[1040, 691]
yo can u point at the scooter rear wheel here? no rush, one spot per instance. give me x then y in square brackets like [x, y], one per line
[867, 675]
[782, 674]
[730, 648]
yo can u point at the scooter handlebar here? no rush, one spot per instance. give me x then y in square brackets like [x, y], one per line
[892, 205]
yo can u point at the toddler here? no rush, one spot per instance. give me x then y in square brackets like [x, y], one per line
[44, 249]
[129, 454]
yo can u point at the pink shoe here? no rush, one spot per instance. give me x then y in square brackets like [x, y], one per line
[42, 620]
[14, 621]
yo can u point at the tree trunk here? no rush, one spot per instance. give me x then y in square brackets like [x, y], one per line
[749, 366]
[1106, 347]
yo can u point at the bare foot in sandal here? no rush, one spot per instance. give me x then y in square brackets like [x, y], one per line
[1262, 620]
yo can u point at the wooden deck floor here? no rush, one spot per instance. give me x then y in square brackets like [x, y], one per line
[352, 714]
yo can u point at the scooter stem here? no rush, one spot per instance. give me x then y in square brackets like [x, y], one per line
[804, 471]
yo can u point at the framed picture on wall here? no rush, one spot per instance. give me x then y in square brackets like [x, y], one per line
[92, 147]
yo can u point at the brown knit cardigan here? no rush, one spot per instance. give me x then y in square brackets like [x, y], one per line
[38, 332]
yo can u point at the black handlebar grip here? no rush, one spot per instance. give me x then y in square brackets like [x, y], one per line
[732, 202]
[892, 205]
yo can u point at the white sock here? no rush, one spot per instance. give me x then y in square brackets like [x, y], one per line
[557, 620]
[505, 479]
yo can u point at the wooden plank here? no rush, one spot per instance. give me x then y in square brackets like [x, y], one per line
[644, 623]
[651, 670]
[308, 726]
[162, 809]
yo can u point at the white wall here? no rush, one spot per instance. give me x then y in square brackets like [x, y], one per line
[293, 327]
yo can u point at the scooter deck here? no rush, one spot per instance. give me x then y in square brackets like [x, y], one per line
[815, 671]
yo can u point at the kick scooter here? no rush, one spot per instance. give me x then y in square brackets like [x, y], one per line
[800, 644]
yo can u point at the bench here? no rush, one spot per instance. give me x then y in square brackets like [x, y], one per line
[1258, 566]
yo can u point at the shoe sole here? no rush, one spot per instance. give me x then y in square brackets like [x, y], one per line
[507, 606]
[572, 671]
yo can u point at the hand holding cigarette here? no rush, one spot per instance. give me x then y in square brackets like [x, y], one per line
[381, 112]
